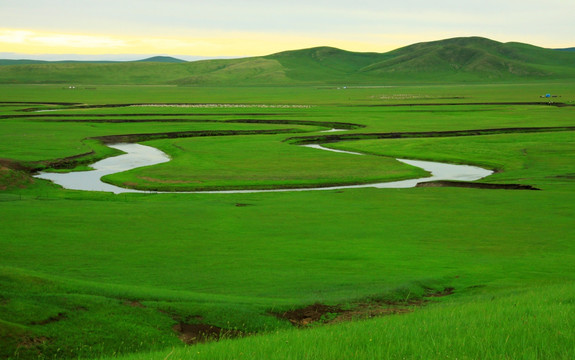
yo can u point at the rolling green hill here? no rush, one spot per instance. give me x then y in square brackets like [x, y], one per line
[471, 59]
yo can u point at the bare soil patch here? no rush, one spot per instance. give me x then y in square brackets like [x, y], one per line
[303, 140]
[309, 314]
[132, 138]
[134, 303]
[11, 164]
[200, 333]
[327, 314]
[558, 104]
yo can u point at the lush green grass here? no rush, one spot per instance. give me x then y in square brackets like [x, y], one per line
[513, 91]
[231, 265]
[97, 275]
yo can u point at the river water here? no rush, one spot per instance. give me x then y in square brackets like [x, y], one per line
[137, 155]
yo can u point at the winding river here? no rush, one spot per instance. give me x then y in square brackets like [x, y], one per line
[137, 155]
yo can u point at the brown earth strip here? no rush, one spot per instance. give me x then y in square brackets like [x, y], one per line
[69, 162]
[38, 103]
[475, 185]
[313, 314]
[309, 314]
[14, 175]
[132, 138]
[134, 303]
[546, 103]
[330, 124]
[368, 311]
[64, 116]
[14, 165]
[200, 333]
[302, 140]
[178, 118]
[327, 314]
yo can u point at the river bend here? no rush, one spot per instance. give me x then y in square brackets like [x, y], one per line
[137, 155]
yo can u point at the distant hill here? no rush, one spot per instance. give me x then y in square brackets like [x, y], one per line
[469, 59]
[567, 49]
[39, 62]
[157, 59]
[473, 59]
[162, 59]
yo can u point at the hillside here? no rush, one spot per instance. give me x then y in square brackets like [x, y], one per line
[471, 59]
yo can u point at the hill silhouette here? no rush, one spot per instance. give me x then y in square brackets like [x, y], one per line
[468, 59]
[162, 59]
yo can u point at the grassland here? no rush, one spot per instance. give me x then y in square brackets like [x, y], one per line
[462, 273]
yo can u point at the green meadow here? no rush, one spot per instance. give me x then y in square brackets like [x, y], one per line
[422, 273]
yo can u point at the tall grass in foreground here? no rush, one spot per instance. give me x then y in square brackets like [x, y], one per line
[518, 324]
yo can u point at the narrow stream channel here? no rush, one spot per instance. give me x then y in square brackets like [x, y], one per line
[137, 155]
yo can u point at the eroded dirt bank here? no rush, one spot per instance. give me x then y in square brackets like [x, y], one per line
[475, 185]
[302, 140]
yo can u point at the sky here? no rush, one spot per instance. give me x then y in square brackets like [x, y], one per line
[193, 29]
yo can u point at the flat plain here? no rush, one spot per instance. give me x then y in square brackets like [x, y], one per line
[427, 272]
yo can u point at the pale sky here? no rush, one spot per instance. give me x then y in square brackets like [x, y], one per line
[95, 29]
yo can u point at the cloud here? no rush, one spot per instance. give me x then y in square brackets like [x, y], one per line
[229, 27]
[14, 36]
[221, 43]
[57, 40]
